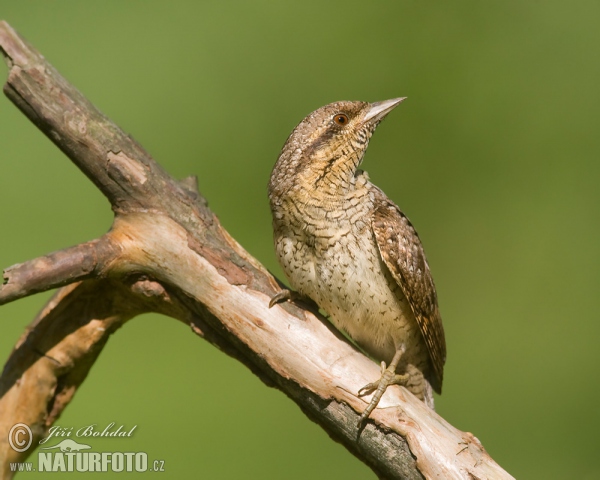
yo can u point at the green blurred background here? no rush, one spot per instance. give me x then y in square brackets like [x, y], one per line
[495, 158]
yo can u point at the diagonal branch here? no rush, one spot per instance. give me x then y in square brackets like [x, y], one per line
[170, 254]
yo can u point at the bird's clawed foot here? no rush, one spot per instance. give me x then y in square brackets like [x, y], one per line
[388, 377]
[281, 297]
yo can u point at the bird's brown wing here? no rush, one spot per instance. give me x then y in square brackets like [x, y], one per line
[402, 252]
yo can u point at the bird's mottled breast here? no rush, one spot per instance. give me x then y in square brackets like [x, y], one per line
[328, 253]
[310, 227]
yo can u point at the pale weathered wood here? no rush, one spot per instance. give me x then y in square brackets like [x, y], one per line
[167, 252]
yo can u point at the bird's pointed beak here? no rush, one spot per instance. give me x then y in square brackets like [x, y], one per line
[379, 110]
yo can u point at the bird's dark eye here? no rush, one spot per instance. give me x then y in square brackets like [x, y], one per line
[341, 119]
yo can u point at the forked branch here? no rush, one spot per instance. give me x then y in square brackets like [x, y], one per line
[166, 252]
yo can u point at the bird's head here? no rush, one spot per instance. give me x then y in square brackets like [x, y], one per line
[324, 151]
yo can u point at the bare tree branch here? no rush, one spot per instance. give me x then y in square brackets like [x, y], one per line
[56, 269]
[168, 253]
